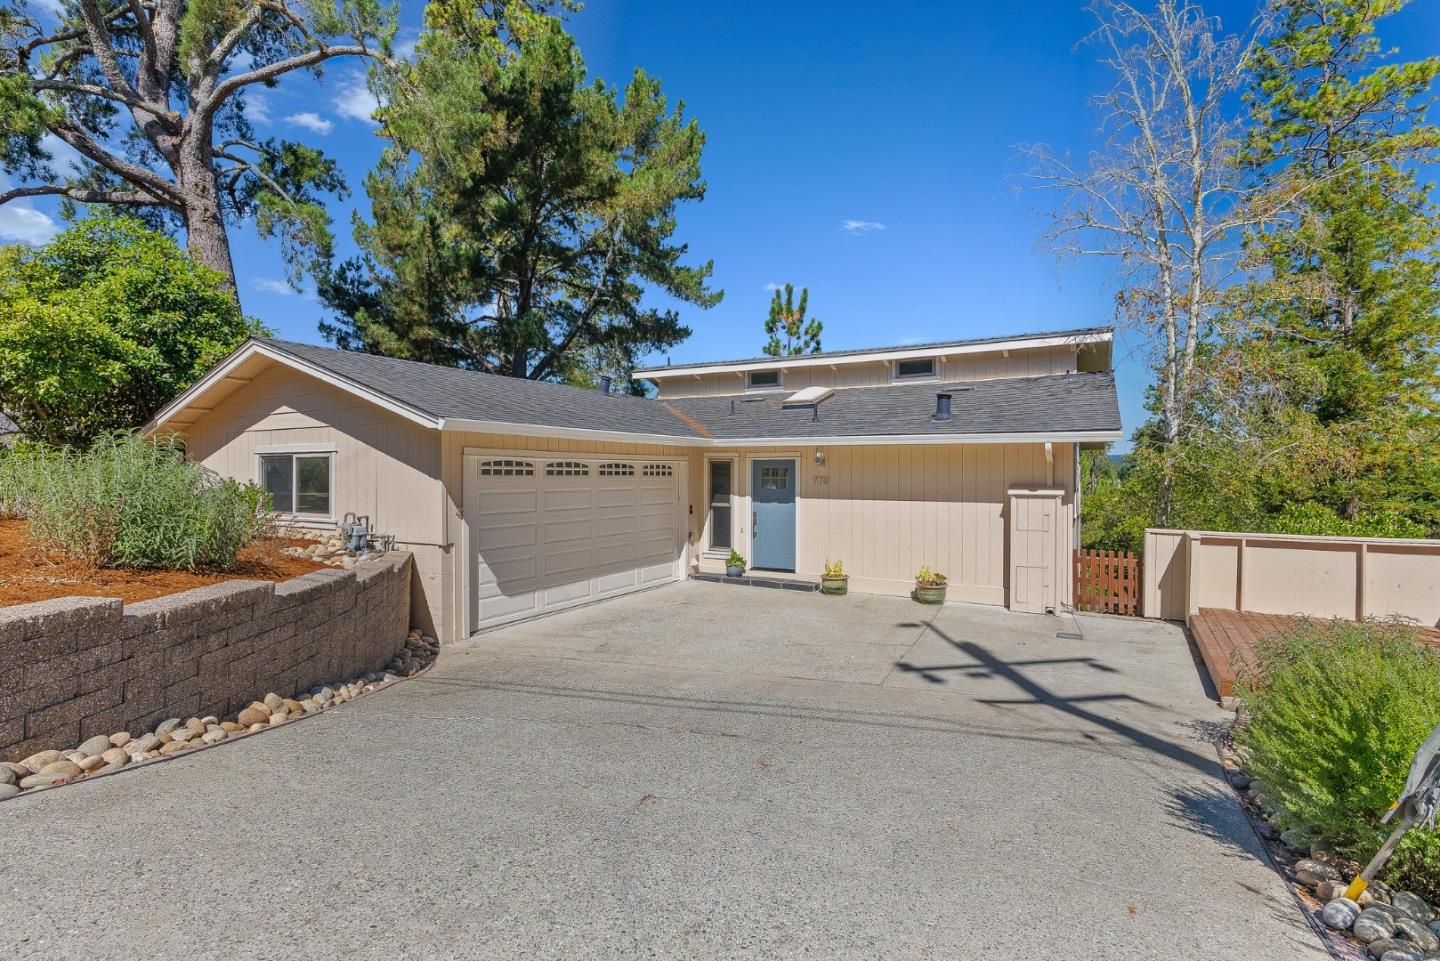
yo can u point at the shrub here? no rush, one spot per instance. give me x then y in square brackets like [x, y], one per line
[1332, 716]
[130, 501]
[1315, 518]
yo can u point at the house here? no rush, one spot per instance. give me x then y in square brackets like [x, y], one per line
[519, 498]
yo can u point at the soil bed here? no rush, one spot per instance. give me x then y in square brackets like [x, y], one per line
[26, 574]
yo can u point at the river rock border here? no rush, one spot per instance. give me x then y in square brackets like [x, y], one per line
[1385, 924]
[78, 667]
[103, 754]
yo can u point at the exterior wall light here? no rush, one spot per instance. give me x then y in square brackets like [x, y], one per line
[819, 457]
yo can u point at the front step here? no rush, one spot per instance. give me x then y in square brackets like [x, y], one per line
[760, 580]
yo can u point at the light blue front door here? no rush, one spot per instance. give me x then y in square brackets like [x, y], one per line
[772, 504]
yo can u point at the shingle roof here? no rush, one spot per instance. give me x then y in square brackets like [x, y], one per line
[936, 345]
[1017, 405]
[473, 395]
[1050, 404]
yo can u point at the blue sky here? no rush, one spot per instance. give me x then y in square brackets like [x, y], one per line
[865, 152]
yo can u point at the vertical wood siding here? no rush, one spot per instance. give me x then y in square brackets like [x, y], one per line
[385, 466]
[1034, 362]
[886, 510]
[882, 510]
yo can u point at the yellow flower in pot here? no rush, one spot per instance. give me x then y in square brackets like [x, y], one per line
[834, 581]
[930, 586]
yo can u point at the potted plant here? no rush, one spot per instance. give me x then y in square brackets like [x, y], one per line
[834, 580]
[734, 564]
[930, 586]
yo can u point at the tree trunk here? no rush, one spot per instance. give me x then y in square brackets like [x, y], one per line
[204, 224]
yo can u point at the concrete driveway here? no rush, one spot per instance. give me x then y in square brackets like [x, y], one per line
[700, 771]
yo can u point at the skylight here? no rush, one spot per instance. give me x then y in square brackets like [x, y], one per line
[810, 395]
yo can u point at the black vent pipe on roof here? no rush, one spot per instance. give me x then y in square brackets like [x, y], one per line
[604, 386]
[942, 406]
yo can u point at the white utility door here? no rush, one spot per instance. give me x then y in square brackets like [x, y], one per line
[550, 532]
[1034, 519]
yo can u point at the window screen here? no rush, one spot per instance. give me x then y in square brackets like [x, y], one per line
[720, 509]
[277, 475]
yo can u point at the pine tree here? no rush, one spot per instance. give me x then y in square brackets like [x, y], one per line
[1347, 316]
[522, 210]
[787, 328]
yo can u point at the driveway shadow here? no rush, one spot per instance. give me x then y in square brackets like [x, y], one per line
[986, 664]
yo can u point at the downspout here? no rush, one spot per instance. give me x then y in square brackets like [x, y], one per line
[1075, 455]
[1049, 464]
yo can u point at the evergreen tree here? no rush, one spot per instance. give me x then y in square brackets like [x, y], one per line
[1345, 321]
[787, 328]
[521, 211]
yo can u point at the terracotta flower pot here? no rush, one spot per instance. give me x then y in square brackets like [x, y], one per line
[837, 586]
[930, 595]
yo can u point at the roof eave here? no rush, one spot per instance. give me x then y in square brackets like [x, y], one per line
[1103, 336]
[844, 440]
[507, 428]
[255, 347]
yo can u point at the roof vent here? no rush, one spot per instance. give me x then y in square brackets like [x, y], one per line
[942, 406]
[604, 385]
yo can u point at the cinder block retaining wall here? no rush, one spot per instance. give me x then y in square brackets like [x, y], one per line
[79, 666]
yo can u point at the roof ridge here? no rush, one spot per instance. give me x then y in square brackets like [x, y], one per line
[462, 370]
[689, 421]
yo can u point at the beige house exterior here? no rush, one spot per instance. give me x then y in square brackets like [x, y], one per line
[519, 498]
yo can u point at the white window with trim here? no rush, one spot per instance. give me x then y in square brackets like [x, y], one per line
[721, 481]
[764, 380]
[301, 482]
[917, 368]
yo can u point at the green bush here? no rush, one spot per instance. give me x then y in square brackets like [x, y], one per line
[1332, 715]
[1315, 518]
[131, 501]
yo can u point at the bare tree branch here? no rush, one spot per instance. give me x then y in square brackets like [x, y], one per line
[82, 195]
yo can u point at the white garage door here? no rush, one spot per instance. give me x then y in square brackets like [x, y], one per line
[547, 533]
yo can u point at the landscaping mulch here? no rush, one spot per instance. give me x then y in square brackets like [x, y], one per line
[27, 574]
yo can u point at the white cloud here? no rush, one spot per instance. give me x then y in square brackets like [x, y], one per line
[19, 221]
[257, 108]
[67, 159]
[772, 286]
[267, 285]
[311, 121]
[860, 226]
[356, 102]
